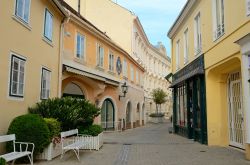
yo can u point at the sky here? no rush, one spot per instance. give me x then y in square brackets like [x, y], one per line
[156, 16]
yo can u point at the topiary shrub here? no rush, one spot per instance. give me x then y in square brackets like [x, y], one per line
[54, 127]
[93, 130]
[30, 128]
[2, 161]
[70, 112]
[156, 115]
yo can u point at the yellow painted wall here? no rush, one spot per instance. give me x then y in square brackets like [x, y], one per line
[28, 43]
[222, 57]
[91, 46]
[104, 14]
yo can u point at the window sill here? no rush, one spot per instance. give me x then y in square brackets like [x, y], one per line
[16, 98]
[48, 41]
[100, 68]
[79, 60]
[23, 23]
[111, 72]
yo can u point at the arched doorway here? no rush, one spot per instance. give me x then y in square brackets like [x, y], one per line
[137, 122]
[128, 116]
[74, 91]
[143, 114]
[108, 115]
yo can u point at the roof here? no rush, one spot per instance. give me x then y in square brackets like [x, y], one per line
[184, 12]
[60, 7]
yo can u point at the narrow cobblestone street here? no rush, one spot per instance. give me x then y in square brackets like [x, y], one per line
[153, 145]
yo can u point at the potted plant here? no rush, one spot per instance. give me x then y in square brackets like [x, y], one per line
[159, 97]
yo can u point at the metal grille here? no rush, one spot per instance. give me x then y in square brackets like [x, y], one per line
[236, 116]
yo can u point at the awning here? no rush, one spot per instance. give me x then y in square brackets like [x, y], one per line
[91, 75]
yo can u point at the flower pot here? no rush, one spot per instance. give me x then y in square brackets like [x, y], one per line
[52, 151]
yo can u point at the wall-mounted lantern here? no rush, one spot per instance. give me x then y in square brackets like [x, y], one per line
[124, 90]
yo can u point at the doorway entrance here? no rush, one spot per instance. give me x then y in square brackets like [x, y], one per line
[235, 111]
[108, 115]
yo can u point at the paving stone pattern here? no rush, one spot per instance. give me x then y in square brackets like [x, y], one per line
[152, 145]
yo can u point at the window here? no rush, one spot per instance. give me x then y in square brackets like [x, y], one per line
[186, 46]
[80, 46]
[218, 18]
[137, 76]
[197, 34]
[22, 10]
[125, 68]
[100, 55]
[48, 25]
[177, 54]
[248, 7]
[111, 62]
[45, 84]
[17, 76]
[132, 73]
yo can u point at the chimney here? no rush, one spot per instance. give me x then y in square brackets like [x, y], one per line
[79, 6]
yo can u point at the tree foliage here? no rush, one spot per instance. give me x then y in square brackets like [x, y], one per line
[159, 97]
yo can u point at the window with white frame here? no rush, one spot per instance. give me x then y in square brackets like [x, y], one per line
[111, 61]
[218, 18]
[197, 34]
[80, 46]
[16, 87]
[48, 25]
[137, 76]
[125, 68]
[132, 73]
[45, 84]
[22, 10]
[100, 55]
[248, 7]
[177, 55]
[186, 54]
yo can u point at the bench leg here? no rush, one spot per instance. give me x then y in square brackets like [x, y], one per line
[62, 154]
[13, 162]
[31, 159]
[77, 153]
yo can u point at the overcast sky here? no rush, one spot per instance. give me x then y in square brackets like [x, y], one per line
[156, 16]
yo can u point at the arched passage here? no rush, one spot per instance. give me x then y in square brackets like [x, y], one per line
[143, 114]
[108, 115]
[128, 115]
[137, 121]
[73, 90]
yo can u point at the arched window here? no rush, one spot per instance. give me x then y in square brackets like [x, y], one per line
[74, 91]
[108, 115]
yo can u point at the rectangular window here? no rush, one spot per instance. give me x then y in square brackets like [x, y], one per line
[48, 25]
[17, 76]
[137, 76]
[111, 62]
[197, 34]
[186, 47]
[177, 54]
[100, 55]
[22, 10]
[45, 84]
[125, 68]
[218, 18]
[80, 46]
[248, 7]
[132, 73]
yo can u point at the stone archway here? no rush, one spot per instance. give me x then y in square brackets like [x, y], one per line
[128, 122]
[73, 90]
[137, 116]
[143, 114]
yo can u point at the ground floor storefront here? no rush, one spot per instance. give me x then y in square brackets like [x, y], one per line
[189, 101]
[117, 113]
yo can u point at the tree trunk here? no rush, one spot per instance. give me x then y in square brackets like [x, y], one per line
[156, 108]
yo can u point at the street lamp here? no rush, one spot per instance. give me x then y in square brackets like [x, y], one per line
[124, 90]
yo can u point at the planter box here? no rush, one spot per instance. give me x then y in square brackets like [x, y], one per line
[52, 151]
[95, 142]
[156, 120]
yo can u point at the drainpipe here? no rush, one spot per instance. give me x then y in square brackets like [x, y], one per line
[64, 21]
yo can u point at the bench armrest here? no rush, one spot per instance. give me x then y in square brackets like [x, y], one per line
[26, 146]
[84, 135]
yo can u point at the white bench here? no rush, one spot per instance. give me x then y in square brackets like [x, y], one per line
[76, 142]
[20, 149]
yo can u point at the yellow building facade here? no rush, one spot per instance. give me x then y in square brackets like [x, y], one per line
[208, 28]
[96, 68]
[30, 55]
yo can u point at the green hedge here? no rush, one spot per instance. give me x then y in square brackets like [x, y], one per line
[54, 127]
[156, 115]
[2, 161]
[70, 112]
[30, 128]
[93, 130]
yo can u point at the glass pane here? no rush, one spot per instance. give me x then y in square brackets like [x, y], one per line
[20, 89]
[21, 77]
[15, 64]
[20, 8]
[15, 76]
[26, 10]
[22, 66]
[110, 115]
[82, 46]
[103, 115]
[78, 46]
[14, 88]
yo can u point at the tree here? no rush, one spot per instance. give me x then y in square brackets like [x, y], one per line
[159, 97]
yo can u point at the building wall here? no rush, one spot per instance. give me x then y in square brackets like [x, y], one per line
[222, 57]
[27, 42]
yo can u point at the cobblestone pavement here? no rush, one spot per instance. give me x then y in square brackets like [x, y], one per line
[152, 145]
